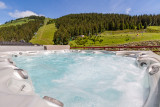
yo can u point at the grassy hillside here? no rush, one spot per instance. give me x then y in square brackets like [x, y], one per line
[113, 38]
[19, 21]
[45, 34]
[21, 29]
[41, 30]
[153, 29]
[73, 25]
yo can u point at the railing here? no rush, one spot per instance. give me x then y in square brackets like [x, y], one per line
[121, 48]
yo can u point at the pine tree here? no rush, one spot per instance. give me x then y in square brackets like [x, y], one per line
[141, 27]
[145, 25]
[112, 26]
[117, 26]
[122, 26]
[138, 27]
[127, 26]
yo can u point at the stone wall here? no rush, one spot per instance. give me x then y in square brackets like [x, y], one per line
[20, 48]
[33, 48]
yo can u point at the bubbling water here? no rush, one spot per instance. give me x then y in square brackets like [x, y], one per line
[87, 79]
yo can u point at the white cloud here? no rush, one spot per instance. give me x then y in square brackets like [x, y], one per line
[128, 10]
[21, 14]
[2, 5]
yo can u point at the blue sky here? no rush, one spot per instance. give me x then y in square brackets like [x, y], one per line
[12, 9]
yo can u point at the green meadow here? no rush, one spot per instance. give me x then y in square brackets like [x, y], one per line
[113, 38]
[45, 34]
[16, 22]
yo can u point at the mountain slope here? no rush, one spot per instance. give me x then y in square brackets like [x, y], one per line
[21, 29]
[45, 34]
[114, 38]
[18, 21]
[73, 25]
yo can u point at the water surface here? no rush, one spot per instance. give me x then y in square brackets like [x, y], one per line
[87, 79]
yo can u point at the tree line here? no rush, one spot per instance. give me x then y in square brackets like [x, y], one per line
[73, 25]
[21, 32]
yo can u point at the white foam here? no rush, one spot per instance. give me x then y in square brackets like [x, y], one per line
[97, 52]
[89, 80]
